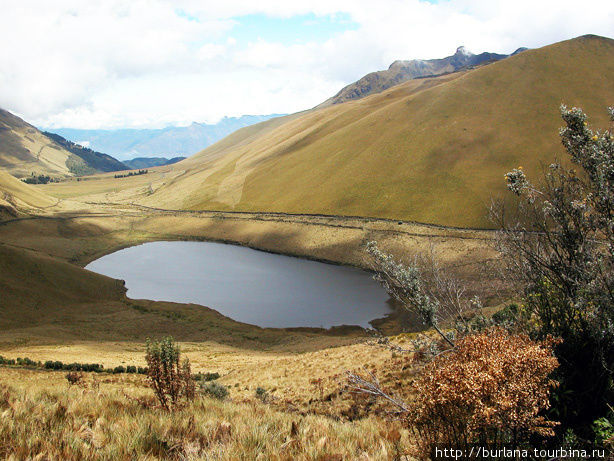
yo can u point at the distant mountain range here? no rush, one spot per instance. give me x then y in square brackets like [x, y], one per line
[165, 142]
[27, 152]
[401, 71]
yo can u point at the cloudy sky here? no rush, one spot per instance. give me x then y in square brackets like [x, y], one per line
[152, 63]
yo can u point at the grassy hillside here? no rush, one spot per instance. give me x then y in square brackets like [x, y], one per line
[95, 162]
[15, 195]
[48, 421]
[25, 151]
[431, 150]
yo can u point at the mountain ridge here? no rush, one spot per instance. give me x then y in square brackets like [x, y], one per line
[419, 151]
[149, 162]
[402, 70]
[127, 143]
[96, 161]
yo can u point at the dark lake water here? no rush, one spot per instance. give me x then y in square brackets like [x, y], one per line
[247, 285]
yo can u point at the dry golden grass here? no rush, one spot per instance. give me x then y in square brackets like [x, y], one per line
[105, 188]
[21, 195]
[288, 376]
[42, 416]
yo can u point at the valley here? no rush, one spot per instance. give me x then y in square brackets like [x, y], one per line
[231, 193]
[415, 166]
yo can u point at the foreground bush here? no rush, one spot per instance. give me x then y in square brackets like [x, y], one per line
[490, 391]
[170, 379]
[559, 243]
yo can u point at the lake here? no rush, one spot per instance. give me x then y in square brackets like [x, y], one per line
[247, 285]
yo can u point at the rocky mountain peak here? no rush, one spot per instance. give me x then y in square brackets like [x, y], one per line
[461, 50]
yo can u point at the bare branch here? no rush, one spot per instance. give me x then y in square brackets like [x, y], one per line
[358, 384]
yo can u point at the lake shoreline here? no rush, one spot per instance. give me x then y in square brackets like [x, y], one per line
[259, 288]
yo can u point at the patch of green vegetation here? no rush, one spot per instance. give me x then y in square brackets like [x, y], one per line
[172, 315]
[215, 390]
[78, 166]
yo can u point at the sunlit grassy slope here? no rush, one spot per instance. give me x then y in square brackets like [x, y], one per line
[44, 419]
[430, 150]
[25, 150]
[16, 195]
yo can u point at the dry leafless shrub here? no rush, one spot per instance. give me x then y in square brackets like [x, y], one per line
[75, 378]
[425, 288]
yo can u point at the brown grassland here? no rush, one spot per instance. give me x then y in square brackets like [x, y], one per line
[42, 415]
[55, 310]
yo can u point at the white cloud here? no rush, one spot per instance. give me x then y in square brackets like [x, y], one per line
[157, 62]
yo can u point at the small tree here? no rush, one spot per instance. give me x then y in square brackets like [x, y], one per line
[425, 289]
[170, 379]
[74, 378]
[559, 244]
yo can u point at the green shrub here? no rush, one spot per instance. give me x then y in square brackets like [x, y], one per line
[214, 390]
[170, 379]
[51, 365]
[559, 244]
[506, 316]
[206, 376]
[604, 430]
[5, 361]
[262, 394]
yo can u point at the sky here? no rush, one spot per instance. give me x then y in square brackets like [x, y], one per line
[153, 63]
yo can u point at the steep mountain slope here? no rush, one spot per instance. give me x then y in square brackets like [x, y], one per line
[97, 162]
[431, 150]
[401, 71]
[25, 151]
[129, 143]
